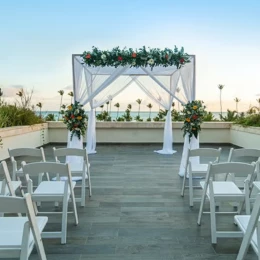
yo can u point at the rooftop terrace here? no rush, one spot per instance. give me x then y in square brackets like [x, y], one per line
[136, 212]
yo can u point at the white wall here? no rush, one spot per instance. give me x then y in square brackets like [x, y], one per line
[143, 132]
[247, 137]
[127, 132]
[23, 136]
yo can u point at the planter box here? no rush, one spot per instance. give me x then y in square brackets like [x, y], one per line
[143, 132]
[127, 132]
[23, 136]
[247, 137]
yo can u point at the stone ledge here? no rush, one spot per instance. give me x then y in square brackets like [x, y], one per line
[19, 130]
[145, 125]
[249, 129]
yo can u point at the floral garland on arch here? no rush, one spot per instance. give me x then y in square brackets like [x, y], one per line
[75, 119]
[193, 113]
[136, 58]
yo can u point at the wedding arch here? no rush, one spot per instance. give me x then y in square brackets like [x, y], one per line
[99, 76]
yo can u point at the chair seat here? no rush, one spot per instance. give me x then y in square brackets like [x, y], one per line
[51, 187]
[223, 188]
[15, 184]
[242, 221]
[11, 230]
[199, 168]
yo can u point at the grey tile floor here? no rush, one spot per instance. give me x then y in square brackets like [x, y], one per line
[136, 212]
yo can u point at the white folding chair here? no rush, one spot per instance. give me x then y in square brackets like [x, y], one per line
[250, 226]
[247, 155]
[34, 154]
[79, 166]
[7, 186]
[197, 169]
[225, 191]
[52, 191]
[18, 235]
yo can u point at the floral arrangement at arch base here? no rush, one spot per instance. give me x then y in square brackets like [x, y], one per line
[193, 113]
[75, 119]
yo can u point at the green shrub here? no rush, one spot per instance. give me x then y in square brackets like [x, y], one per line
[230, 117]
[13, 115]
[50, 117]
[249, 120]
[208, 116]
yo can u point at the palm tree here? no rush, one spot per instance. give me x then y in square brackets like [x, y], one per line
[129, 106]
[220, 98]
[258, 101]
[71, 95]
[117, 105]
[139, 101]
[150, 108]
[61, 92]
[237, 100]
[40, 107]
[1, 94]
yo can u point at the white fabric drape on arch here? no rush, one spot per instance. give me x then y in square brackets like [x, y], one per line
[104, 83]
[162, 91]
[188, 82]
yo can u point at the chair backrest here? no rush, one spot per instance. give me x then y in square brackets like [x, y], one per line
[34, 152]
[24, 205]
[61, 152]
[33, 169]
[236, 168]
[4, 170]
[253, 225]
[205, 152]
[238, 154]
[59, 169]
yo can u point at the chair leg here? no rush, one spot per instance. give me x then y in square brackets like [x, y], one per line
[74, 208]
[201, 207]
[83, 192]
[190, 189]
[89, 186]
[213, 221]
[64, 220]
[183, 185]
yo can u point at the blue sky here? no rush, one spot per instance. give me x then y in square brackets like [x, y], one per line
[38, 38]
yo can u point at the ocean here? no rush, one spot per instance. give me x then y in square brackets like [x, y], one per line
[143, 114]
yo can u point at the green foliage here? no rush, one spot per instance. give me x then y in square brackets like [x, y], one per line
[250, 120]
[252, 117]
[176, 116]
[139, 119]
[103, 116]
[208, 116]
[135, 58]
[230, 117]
[160, 116]
[193, 113]
[13, 115]
[50, 117]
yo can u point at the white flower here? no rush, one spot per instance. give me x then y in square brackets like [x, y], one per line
[103, 56]
[188, 112]
[150, 61]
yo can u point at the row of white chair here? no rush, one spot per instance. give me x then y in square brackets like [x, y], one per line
[47, 191]
[227, 190]
[77, 159]
[194, 168]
